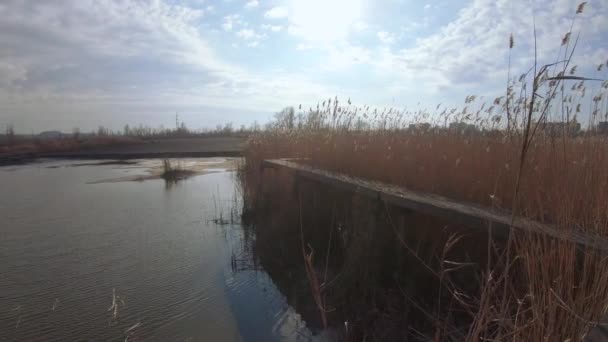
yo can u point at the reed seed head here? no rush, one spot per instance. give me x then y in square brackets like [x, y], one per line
[566, 39]
[581, 7]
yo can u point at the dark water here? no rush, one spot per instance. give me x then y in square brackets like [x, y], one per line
[69, 249]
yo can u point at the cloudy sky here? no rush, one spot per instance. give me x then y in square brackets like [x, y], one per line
[103, 62]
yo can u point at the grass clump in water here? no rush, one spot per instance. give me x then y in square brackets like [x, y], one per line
[175, 171]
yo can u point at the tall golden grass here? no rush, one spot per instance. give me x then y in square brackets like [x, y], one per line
[514, 158]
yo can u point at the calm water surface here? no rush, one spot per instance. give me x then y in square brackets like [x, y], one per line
[69, 250]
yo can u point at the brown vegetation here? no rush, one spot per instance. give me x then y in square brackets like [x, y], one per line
[526, 288]
[174, 172]
[34, 146]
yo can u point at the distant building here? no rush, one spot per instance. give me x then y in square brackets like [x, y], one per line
[420, 127]
[602, 127]
[557, 128]
[50, 135]
[463, 128]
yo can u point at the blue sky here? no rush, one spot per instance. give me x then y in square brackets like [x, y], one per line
[87, 63]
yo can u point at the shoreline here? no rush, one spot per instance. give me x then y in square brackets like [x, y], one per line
[153, 149]
[32, 158]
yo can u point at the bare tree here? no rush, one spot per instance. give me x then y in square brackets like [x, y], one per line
[10, 134]
[286, 118]
[76, 133]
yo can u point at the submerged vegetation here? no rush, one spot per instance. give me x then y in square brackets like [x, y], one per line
[379, 273]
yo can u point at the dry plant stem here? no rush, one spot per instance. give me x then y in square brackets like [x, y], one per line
[331, 230]
[313, 281]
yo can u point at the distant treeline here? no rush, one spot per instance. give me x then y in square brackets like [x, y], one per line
[311, 119]
[8, 135]
[180, 131]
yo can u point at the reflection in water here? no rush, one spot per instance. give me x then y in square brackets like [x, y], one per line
[131, 260]
[373, 267]
[170, 183]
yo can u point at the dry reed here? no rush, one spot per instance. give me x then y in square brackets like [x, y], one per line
[535, 162]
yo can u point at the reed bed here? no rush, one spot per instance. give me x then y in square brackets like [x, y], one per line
[524, 152]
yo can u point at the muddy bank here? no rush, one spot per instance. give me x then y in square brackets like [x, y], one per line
[101, 163]
[153, 169]
[164, 148]
[148, 149]
[18, 159]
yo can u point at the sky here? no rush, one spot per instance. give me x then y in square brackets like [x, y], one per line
[86, 63]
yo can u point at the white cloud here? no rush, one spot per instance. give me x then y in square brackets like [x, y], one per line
[132, 58]
[472, 50]
[251, 36]
[10, 73]
[324, 21]
[109, 51]
[360, 26]
[344, 56]
[303, 47]
[253, 89]
[246, 34]
[273, 28]
[150, 53]
[230, 21]
[252, 4]
[386, 37]
[40, 34]
[278, 12]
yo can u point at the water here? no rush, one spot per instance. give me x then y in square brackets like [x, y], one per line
[69, 249]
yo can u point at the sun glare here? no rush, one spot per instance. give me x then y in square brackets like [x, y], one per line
[324, 21]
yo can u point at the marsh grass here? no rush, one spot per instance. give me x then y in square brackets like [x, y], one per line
[226, 211]
[523, 152]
